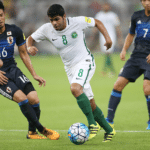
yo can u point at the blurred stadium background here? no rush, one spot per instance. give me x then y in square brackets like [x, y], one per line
[59, 108]
[31, 14]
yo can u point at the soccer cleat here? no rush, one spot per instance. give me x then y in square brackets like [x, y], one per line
[148, 127]
[34, 135]
[108, 136]
[93, 130]
[110, 123]
[51, 134]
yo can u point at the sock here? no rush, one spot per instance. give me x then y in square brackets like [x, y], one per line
[30, 114]
[85, 106]
[37, 110]
[113, 103]
[148, 105]
[99, 117]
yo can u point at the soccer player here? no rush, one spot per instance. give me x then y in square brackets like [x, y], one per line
[14, 84]
[112, 23]
[139, 62]
[68, 36]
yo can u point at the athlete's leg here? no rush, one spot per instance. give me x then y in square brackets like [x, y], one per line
[99, 117]
[83, 102]
[34, 102]
[26, 109]
[116, 97]
[146, 88]
[30, 114]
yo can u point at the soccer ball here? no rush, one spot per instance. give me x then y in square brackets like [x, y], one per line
[78, 133]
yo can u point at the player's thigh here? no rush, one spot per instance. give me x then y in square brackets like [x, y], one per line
[12, 92]
[120, 83]
[19, 96]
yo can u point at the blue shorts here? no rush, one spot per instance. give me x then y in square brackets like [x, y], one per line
[134, 68]
[17, 81]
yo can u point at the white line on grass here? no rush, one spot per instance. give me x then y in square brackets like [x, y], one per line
[3, 130]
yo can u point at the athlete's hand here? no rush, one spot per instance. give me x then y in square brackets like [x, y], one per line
[40, 80]
[123, 55]
[148, 59]
[3, 78]
[108, 44]
[32, 50]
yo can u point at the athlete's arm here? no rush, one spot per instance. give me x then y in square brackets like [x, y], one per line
[119, 36]
[127, 43]
[103, 30]
[30, 48]
[26, 60]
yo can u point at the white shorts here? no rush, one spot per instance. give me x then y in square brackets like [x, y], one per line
[82, 73]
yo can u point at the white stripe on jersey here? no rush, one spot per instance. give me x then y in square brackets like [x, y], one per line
[70, 41]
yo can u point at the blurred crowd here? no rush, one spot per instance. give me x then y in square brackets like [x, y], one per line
[31, 14]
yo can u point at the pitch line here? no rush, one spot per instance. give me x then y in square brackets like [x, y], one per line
[146, 131]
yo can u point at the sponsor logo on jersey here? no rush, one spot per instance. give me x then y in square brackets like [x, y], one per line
[139, 22]
[9, 33]
[74, 35]
[88, 20]
[8, 90]
[10, 39]
[24, 37]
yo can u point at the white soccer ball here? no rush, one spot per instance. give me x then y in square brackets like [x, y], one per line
[78, 133]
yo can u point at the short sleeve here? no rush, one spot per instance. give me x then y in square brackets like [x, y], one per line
[85, 22]
[20, 37]
[38, 35]
[132, 25]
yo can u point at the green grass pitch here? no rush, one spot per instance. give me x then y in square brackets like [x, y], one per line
[59, 110]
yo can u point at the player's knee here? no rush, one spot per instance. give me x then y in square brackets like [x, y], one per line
[19, 96]
[76, 89]
[146, 90]
[33, 98]
[120, 83]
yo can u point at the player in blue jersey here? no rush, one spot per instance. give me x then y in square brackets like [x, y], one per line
[139, 62]
[14, 84]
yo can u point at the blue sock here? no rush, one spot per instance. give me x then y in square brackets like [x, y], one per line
[148, 105]
[113, 103]
[30, 114]
[37, 110]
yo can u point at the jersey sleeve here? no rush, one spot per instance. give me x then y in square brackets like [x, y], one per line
[20, 37]
[132, 25]
[85, 22]
[39, 35]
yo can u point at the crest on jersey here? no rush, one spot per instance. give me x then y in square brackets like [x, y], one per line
[10, 39]
[8, 90]
[9, 33]
[74, 35]
[88, 20]
[139, 22]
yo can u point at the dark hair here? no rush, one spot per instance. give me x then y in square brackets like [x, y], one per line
[1, 6]
[55, 10]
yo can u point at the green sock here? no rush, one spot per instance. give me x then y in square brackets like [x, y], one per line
[85, 106]
[99, 117]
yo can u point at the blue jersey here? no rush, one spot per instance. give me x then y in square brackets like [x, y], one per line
[11, 36]
[140, 25]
